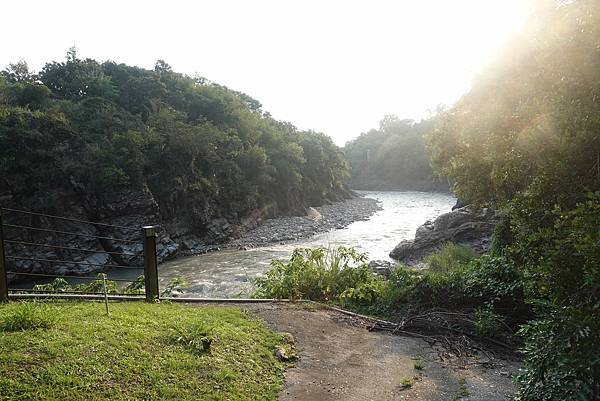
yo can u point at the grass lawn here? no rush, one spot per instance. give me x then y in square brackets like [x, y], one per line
[73, 351]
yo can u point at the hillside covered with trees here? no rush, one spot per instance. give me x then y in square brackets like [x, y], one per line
[80, 134]
[526, 140]
[393, 157]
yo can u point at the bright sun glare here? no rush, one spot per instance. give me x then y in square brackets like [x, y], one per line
[333, 66]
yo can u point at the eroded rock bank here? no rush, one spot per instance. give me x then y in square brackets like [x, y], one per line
[135, 209]
[467, 225]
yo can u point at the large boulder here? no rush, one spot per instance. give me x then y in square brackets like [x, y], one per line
[467, 226]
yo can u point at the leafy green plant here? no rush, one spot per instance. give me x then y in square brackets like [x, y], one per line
[172, 285]
[487, 323]
[419, 365]
[494, 281]
[562, 357]
[27, 316]
[137, 286]
[57, 285]
[339, 274]
[98, 286]
[406, 382]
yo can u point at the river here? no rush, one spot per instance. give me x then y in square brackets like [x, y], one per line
[229, 273]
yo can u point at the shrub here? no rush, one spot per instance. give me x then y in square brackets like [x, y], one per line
[562, 357]
[450, 257]
[27, 316]
[487, 323]
[494, 281]
[320, 274]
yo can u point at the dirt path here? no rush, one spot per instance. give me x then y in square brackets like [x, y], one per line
[341, 360]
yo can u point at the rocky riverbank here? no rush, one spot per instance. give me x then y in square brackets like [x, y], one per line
[318, 220]
[467, 225]
[173, 239]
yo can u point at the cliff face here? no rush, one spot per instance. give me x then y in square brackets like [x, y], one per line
[133, 208]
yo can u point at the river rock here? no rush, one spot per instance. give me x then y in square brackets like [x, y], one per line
[381, 267]
[468, 226]
[313, 214]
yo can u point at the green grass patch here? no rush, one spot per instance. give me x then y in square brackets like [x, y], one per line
[138, 352]
[28, 316]
[449, 257]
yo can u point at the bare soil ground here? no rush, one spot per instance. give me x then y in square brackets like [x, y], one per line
[341, 360]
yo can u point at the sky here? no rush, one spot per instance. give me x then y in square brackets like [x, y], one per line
[332, 66]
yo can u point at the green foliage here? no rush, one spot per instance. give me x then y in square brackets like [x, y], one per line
[393, 157]
[525, 140]
[449, 257]
[487, 323]
[494, 281]
[94, 286]
[419, 365]
[27, 316]
[531, 117]
[134, 354]
[406, 382]
[137, 286]
[172, 285]
[490, 281]
[563, 357]
[200, 149]
[196, 337]
[558, 248]
[57, 285]
[339, 275]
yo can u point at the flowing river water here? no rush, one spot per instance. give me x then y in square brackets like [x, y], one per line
[229, 273]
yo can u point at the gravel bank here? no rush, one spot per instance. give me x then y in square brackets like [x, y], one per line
[320, 219]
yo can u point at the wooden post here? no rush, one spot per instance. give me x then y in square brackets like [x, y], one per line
[150, 264]
[3, 279]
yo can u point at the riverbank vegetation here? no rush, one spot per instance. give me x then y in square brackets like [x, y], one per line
[82, 132]
[488, 290]
[393, 157]
[65, 350]
[526, 141]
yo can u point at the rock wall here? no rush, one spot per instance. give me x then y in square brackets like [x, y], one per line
[177, 235]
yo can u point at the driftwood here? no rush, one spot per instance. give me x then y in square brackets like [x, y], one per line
[454, 332]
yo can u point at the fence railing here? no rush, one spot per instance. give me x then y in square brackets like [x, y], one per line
[12, 246]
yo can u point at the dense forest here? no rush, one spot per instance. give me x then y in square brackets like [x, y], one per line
[526, 140]
[393, 157]
[81, 131]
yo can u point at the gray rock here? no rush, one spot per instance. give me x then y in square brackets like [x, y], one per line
[467, 226]
[381, 267]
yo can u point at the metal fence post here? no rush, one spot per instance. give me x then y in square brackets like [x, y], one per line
[3, 279]
[150, 264]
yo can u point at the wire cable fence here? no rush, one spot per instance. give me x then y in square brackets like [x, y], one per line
[23, 259]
